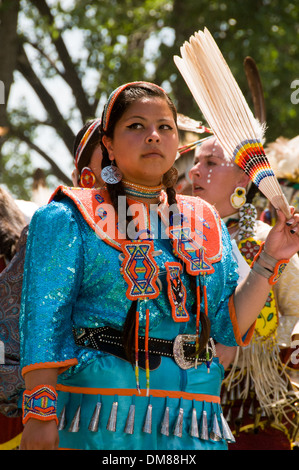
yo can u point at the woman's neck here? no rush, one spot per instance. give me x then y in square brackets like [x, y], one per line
[142, 193]
[232, 223]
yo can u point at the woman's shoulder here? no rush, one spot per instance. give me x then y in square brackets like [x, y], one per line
[55, 212]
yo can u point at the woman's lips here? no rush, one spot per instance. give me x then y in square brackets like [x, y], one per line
[152, 155]
[197, 187]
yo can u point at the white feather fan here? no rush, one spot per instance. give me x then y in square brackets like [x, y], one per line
[227, 113]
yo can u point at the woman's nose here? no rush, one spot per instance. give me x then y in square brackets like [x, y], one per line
[195, 171]
[153, 136]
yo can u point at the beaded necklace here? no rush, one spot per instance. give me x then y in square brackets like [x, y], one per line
[147, 192]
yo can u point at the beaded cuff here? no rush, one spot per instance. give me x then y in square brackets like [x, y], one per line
[277, 265]
[278, 270]
[40, 403]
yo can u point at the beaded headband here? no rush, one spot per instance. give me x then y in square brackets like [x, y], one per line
[113, 97]
[95, 124]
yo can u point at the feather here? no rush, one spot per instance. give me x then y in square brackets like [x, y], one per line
[224, 107]
[256, 88]
[188, 124]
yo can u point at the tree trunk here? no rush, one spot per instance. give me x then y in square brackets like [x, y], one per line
[9, 10]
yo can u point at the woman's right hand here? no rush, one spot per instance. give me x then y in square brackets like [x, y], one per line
[226, 354]
[40, 435]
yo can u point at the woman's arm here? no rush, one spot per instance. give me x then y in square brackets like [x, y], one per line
[251, 294]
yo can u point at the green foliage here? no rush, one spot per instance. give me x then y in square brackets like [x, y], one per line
[113, 48]
[18, 169]
[266, 30]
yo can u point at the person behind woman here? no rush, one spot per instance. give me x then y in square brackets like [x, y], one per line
[259, 371]
[132, 275]
[13, 237]
[88, 156]
[12, 223]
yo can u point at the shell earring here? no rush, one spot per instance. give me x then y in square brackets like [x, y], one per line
[111, 174]
[87, 178]
[238, 198]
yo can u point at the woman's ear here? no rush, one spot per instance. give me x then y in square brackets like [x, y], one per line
[107, 141]
[244, 180]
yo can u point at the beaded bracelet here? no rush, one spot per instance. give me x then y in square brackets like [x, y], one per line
[277, 265]
[40, 403]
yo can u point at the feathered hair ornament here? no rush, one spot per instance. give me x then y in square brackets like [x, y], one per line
[225, 109]
[188, 124]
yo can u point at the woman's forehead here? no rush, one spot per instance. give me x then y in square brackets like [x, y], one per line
[210, 148]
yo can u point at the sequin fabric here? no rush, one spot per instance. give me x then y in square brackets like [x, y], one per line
[72, 278]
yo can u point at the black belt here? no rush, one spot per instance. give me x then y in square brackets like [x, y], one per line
[109, 340]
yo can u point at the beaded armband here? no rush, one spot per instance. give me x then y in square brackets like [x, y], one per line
[277, 266]
[40, 403]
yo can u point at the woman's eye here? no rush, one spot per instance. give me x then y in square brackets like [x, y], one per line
[166, 126]
[135, 125]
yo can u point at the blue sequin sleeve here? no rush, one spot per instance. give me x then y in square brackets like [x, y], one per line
[221, 325]
[52, 276]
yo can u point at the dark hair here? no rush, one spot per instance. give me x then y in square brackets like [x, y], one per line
[93, 142]
[128, 96]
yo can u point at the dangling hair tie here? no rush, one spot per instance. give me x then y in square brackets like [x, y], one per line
[208, 357]
[147, 371]
[205, 296]
[137, 348]
[197, 319]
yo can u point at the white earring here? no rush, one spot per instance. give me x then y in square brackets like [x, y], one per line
[238, 198]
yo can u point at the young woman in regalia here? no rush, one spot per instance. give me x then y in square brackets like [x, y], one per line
[126, 291]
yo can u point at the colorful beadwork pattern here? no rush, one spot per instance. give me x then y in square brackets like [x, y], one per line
[278, 270]
[249, 248]
[87, 178]
[176, 292]
[113, 97]
[205, 224]
[139, 269]
[85, 139]
[40, 403]
[248, 215]
[136, 190]
[250, 156]
[267, 321]
[188, 251]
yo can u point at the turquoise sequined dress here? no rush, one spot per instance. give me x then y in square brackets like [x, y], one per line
[72, 279]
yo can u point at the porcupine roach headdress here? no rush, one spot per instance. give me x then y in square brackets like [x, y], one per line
[227, 113]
